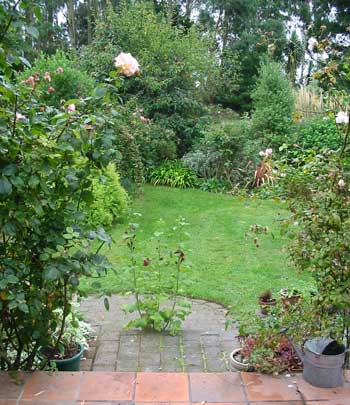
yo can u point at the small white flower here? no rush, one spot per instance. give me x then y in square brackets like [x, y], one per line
[311, 44]
[262, 153]
[342, 118]
[341, 183]
[20, 117]
[268, 152]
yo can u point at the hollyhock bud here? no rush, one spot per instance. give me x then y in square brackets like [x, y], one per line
[51, 89]
[47, 76]
[127, 64]
[71, 107]
[59, 70]
[341, 183]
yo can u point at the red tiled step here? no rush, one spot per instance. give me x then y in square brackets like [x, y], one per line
[109, 388]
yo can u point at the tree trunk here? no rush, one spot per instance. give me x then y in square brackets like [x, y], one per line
[71, 23]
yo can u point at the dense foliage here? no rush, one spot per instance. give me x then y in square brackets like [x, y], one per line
[175, 67]
[63, 80]
[272, 105]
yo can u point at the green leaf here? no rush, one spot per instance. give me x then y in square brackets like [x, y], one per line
[24, 308]
[32, 31]
[5, 187]
[100, 92]
[51, 274]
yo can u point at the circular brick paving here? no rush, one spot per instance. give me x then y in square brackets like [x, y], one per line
[204, 344]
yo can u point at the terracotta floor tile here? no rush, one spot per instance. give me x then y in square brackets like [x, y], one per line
[109, 386]
[11, 388]
[216, 387]
[8, 402]
[330, 402]
[269, 388]
[40, 402]
[281, 403]
[58, 386]
[311, 393]
[162, 387]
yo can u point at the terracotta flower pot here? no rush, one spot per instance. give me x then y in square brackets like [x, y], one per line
[266, 305]
[287, 301]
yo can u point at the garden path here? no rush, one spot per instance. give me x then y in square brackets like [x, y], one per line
[204, 344]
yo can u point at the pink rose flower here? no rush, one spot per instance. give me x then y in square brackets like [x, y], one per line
[59, 70]
[127, 64]
[47, 76]
[71, 107]
[51, 89]
[30, 81]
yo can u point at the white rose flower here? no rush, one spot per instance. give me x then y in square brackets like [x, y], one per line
[311, 44]
[341, 183]
[127, 64]
[342, 118]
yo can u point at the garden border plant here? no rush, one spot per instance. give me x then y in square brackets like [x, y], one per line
[47, 156]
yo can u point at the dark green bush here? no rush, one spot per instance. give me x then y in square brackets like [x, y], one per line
[70, 83]
[110, 199]
[273, 105]
[173, 174]
[319, 134]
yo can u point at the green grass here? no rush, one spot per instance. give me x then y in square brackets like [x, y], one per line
[226, 266]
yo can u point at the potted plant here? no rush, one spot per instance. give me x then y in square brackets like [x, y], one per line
[266, 302]
[239, 361]
[66, 351]
[290, 296]
[263, 348]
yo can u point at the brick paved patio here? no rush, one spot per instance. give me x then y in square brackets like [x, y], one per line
[204, 344]
[113, 388]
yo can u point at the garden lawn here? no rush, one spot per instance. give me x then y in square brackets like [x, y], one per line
[226, 266]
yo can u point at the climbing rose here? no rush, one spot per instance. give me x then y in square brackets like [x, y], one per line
[342, 118]
[51, 89]
[30, 80]
[341, 183]
[47, 76]
[71, 107]
[127, 64]
[59, 70]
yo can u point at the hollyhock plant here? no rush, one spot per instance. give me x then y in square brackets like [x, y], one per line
[127, 64]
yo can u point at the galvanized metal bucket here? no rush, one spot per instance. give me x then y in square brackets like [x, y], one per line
[322, 370]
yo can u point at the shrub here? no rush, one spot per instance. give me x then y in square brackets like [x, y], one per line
[320, 134]
[225, 154]
[71, 83]
[273, 105]
[173, 174]
[175, 66]
[110, 201]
